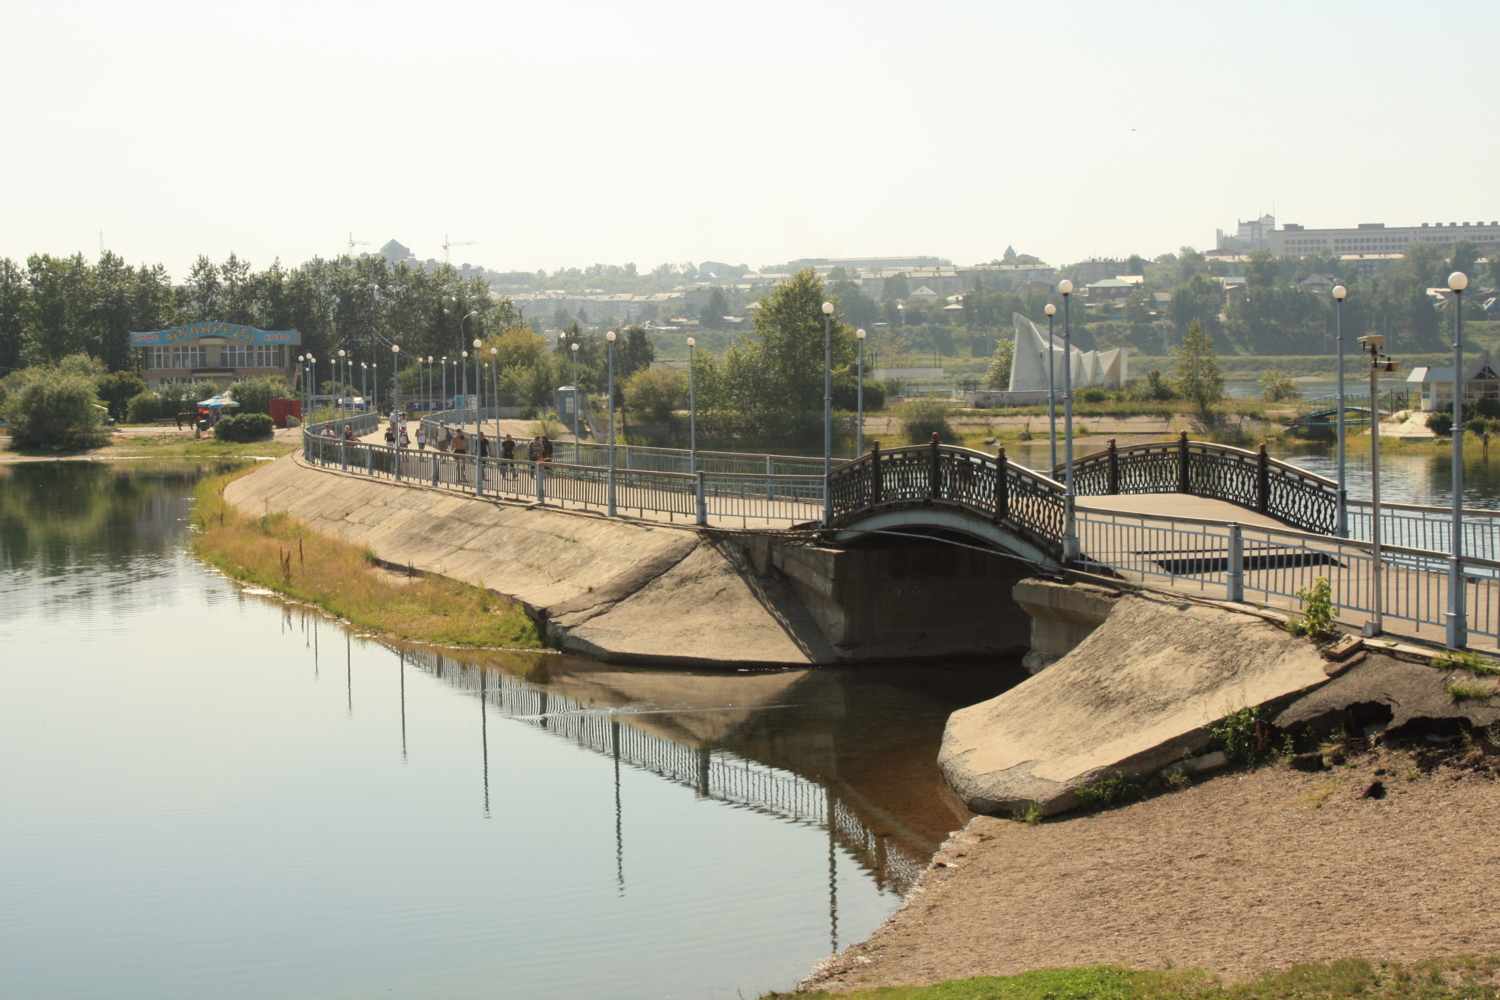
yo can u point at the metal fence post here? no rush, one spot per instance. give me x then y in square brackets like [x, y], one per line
[437, 463]
[396, 459]
[343, 454]
[369, 460]
[934, 473]
[541, 491]
[1112, 479]
[702, 499]
[1235, 584]
[875, 481]
[1262, 479]
[1183, 481]
[478, 475]
[1002, 484]
[770, 486]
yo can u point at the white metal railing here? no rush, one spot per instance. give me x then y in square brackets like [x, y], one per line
[1421, 527]
[1237, 562]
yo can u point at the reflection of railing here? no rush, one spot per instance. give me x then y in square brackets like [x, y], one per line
[1251, 479]
[713, 774]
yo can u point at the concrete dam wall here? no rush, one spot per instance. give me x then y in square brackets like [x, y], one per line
[634, 591]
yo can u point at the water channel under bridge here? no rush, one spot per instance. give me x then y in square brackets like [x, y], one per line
[1224, 522]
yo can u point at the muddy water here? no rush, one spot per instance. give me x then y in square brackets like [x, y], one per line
[209, 792]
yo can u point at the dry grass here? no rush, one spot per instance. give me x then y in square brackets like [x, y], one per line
[280, 553]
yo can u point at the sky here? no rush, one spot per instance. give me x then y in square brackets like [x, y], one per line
[563, 134]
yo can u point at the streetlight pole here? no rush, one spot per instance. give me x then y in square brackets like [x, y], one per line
[364, 384]
[444, 362]
[827, 410]
[463, 366]
[339, 367]
[495, 386]
[1342, 527]
[302, 361]
[573, 350]
[859, 423]
[1458, 619]
[1051, 311]
[478, 389]
[692, 412]
[1374, 343]
[609, 345]
[396, 387]
[461, 322]
[1070, 528]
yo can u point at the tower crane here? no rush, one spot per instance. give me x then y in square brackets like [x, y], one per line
[354, 242]
[454, 243]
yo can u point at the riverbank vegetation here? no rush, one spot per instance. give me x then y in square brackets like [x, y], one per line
[1466, 977]
[282, 554]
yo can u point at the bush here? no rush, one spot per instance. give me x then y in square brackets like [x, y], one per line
[874, 396]
[923, 418]
[1477, 425]
[143, 408]
[1441, 424]
[244, 427]
[656, 394]
[1093, 394]
[54, 410]
[117, 389]
[1276, 386]
[255, 394]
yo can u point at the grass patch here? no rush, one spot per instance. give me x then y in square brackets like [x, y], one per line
[1464, 690]
[1465, 659]
[1466, 977]
[281, 553]
[171, 446]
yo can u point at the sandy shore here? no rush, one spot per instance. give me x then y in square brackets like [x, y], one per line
[1239, 873]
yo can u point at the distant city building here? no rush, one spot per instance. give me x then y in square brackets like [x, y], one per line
[394, 253]
[863, 263]
[1090, 271]
[1248, 236]
[1292, 240]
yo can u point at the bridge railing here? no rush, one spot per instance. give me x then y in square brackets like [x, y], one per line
[939, 475]
[743, 497]
[1227, 561]
[1251, 479]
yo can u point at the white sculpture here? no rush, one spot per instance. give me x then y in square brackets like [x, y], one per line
[1029, 367]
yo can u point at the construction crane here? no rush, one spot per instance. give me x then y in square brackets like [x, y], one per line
[454, 243]
[354, 243]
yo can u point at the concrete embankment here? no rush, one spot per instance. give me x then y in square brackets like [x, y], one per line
[617, 590]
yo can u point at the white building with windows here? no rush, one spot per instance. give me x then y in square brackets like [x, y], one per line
[214, 352]
[1292, 240]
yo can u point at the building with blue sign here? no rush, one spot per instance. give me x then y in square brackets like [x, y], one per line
[215, 352]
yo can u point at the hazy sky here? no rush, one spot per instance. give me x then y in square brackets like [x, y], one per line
[565, 133]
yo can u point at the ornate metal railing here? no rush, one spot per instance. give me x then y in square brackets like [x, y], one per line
[1250, 479]
[939, 475]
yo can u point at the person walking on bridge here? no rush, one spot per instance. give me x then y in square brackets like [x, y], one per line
[421, 437]
[508, 455]
[460, 451]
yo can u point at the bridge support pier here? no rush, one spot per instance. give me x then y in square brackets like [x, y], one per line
[1062, 616]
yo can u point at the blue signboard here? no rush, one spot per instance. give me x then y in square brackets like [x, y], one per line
[229, 331]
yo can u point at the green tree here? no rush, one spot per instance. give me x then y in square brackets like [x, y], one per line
[714, 310]
[53, 409]
[1276, 386]
[255, 394]
[656, 394]
[117, 389]
[1198, 376]
[634, 353]
[998, 376]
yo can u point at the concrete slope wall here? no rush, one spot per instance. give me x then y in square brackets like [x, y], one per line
[617, 590]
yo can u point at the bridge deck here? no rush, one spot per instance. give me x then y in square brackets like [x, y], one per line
[1180, 505]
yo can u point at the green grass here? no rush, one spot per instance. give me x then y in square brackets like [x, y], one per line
[282, 554]
[1465, 659]
[1465, 690]
[1462, 978]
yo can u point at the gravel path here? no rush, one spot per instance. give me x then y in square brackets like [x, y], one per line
[1243, 872]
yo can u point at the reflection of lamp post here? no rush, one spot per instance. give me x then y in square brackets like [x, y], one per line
[1373, 344]
[859, 423]
[573, 350]
[1070, 527]
[1342, 527]
[1051, 311]
[1458, 624]
[692, 413]
[827, 409]
[609, 345]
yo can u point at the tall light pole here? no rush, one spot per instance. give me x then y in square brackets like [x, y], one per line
[495, 386]
[692, 412]
[339, 367]
[1070, 526]
[468, 316]
[463, 366]
[609, 346]
[573, 350]
[478, 388]
[1373, 344]
[1458, 619]
[364, 384]
[1051, 311]
[444, 362]
[396, 387]
[349, 382]
[827, 410]
[302, 361]
[1342, 527]
[859, 422]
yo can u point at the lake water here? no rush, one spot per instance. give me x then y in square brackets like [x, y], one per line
[210, 792]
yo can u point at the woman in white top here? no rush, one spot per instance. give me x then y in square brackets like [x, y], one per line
[421, 437]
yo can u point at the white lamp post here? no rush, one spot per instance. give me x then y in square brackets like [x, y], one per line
[859, 422]
[609, 345]
[1373, 344]
[443, 361]
[692, 412]
[302, 360]
[1342, 527]
[1458, 619]
[339, 367]
[463, 366]
[495, 387]
[1051, 311]
[396, 386]
[1070, 528]
[478, 387]
[573, 350]
[364, 384]
[827, 410]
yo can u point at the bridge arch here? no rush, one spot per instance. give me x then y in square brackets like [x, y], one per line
[913, 521]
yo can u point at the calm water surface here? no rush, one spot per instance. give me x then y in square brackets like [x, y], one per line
[208, 792]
